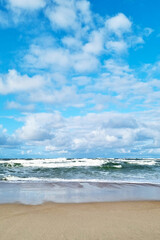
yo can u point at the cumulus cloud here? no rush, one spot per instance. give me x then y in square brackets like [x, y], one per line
[85, 41]
[14, 82]
[95, 44]
[122, 34]
[45, 58]
[78, 61]
[61, 59]
[117, 85]
[39, 127]
[62, 16]
[101, 132]
[69, 14]
[119, 24]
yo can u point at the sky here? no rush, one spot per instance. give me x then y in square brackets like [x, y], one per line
[79, 78]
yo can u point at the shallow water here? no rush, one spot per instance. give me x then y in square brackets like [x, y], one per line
[67, 192]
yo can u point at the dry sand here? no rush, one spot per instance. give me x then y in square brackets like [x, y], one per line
[85, 221]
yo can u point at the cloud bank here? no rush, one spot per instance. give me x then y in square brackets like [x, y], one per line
[72, 89]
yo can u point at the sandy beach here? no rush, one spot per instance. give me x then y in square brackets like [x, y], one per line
[96, 221]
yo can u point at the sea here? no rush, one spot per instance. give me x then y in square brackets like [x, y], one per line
[34, 181]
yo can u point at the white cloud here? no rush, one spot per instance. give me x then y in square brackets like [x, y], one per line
[49, 57]
[151, 70]
[116, 84]
[82, 47]
[39, 127]
[14, 82]
[60, 59]
[101, 132]
[117, 46]
[77, 62]
[117, 68]
[27, 4]
[62, 16]
[63, 97]
[95, 44]
[135, 41]
[119, 24]
[84, 7]
[121, 86]
[69, 14]
[84, 62]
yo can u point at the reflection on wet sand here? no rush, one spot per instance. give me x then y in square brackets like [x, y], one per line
[76, 192]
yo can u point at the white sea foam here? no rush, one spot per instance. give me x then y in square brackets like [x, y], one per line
[56, 163]
[117, 166]
[63, 162]
[14, 179]
[149, 162]
[34, 179]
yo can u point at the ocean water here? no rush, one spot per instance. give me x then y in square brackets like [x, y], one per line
[34, 181]
[80, 170]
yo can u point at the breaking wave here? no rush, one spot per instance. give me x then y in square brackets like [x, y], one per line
[103, 169]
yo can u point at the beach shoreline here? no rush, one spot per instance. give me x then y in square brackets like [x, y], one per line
[106, 220]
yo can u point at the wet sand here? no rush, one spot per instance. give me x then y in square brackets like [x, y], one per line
[77, 192]
[82, 221]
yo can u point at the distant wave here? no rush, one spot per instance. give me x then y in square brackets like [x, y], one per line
[76, 169]
[85, 162]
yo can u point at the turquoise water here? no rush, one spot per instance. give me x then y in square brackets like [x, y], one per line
[84, 170]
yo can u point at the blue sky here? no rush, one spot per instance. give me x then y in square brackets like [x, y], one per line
[79, 78]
